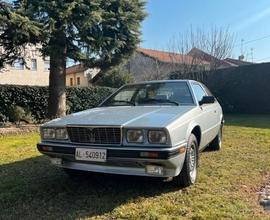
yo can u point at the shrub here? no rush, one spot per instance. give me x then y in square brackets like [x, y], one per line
[28, 117]
[3, 118]
[16, 114]
[33, 99]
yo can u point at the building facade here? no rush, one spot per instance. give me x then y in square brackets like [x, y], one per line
[80, 76]
[148, 64]
[34, 72]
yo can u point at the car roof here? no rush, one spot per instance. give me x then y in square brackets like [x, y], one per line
[162, 81]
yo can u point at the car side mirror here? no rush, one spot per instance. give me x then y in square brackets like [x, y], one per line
[207, 100]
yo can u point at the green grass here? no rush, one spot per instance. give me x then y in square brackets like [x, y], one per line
[31, 188]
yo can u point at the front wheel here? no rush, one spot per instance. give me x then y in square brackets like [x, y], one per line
[188, 173]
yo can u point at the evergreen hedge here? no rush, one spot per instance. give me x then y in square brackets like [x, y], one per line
[34, 98]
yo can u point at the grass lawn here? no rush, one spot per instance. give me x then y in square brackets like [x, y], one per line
[31, 188]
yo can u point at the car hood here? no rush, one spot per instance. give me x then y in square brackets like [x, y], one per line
[129, 116]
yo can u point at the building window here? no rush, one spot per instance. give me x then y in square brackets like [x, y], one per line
[71, 81]
[46, 65]
[34, 53]
[78, 81]
[18, 64]
[34, 64]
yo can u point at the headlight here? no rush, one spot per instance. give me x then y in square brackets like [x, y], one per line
[135, 136]
[54, 133]
[47, 133]
[61, 133]
[157, 137]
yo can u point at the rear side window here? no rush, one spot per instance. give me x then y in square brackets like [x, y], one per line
[207, 90]
[198, 91]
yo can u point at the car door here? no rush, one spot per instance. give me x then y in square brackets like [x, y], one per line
[208, 116]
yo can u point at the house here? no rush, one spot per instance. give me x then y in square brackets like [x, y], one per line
[145, 64]
[215, 62]
[78, 75]
[34, 72]
[237, 62]
[149, 64]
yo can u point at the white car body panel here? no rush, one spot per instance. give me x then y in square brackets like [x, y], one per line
[130, 116]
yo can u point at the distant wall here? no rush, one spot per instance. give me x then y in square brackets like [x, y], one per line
[243, 89]
[24, 77]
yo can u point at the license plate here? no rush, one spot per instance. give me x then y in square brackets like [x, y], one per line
[98, 155]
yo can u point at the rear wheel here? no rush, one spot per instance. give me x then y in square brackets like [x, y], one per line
[216, 144]
[188, 173]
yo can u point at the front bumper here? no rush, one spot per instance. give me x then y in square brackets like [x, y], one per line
[120, 160]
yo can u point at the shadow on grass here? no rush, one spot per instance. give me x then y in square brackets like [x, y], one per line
[32, 188]
[254, 121]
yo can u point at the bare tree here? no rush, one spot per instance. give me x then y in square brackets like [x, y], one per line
[180, 48]
[205, 49]
[193, 51]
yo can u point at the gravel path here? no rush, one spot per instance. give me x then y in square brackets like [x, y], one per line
[13, 130]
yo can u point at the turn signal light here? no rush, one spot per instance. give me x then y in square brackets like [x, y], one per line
[149, 154]
[182, 150]
[45, 148]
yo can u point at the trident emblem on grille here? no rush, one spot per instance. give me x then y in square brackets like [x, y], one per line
[91, 135]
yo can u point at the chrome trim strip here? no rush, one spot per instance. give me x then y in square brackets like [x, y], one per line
[119, 148]
[137, 159]
[96, 126]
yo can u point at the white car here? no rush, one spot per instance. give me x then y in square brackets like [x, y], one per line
[154, 128]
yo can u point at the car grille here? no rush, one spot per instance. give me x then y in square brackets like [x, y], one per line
[95, 135]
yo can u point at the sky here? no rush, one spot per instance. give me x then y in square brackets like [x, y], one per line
[246, 19]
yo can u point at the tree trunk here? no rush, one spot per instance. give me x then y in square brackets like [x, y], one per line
[57, 80]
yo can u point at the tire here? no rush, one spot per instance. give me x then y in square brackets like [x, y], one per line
[188, 173]
[216, 144]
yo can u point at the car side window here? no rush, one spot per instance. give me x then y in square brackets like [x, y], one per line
[125, 95]
[198, 91]
[208, 92]
[141, 95]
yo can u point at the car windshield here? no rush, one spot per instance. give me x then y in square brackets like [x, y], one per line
[162, 93]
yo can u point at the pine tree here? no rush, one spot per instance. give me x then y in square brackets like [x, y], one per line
[97, 33]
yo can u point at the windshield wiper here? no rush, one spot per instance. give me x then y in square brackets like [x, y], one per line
[122, 101]
[161, 101]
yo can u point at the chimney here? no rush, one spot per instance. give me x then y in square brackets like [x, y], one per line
[241, 57]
